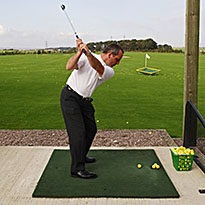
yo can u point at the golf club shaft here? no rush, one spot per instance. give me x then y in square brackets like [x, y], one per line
[69, 20]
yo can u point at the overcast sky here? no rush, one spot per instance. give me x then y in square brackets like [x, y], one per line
[30, 24]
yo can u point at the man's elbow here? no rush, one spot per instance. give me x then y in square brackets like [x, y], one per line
[68, 67]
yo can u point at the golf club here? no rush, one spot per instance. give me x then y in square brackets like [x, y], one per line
[69, 20]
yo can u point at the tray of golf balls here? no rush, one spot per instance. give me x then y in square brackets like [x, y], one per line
[182, 158]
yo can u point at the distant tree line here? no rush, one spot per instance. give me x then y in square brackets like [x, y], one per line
[133, 45]
[128, 45]
[37, 51]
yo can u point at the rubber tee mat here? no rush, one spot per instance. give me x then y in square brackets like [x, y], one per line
[118, 176]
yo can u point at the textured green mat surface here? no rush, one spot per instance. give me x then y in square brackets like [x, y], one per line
[118, 176]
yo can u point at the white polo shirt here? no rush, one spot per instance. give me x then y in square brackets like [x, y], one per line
[86, 79]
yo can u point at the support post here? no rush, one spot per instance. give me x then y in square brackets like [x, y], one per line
[191, 54]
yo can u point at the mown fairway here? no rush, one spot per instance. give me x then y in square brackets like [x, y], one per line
[30, 88]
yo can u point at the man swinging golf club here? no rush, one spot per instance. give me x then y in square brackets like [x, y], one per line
[89, 71]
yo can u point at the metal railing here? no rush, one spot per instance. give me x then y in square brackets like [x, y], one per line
[190, 129]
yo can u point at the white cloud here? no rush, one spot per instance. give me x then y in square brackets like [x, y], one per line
[2, 30]
[26, 39]
[61, 34]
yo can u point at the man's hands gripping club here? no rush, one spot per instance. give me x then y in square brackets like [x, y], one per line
[94, 62]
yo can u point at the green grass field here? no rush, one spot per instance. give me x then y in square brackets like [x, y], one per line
[30, 88]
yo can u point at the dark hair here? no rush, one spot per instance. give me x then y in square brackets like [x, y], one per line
[113, 48]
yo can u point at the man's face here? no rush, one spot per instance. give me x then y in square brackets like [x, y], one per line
[114, 60]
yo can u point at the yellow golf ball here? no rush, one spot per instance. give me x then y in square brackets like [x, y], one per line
[157, 166]
[150, 133]
[139, 166]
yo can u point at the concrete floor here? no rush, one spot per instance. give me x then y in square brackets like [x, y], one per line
[21, 168]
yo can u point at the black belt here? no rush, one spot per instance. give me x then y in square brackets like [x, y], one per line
[83, 98]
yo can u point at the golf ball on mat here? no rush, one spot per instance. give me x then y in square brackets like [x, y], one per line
[155, 166]
[139, 166]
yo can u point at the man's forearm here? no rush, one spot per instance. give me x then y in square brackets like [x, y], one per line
[72, 62]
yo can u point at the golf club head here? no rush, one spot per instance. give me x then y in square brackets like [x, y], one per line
[63, 7]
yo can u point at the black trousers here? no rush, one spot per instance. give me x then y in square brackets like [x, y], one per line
[81, 127]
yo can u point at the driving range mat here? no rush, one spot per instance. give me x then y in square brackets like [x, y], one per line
[118, 176]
